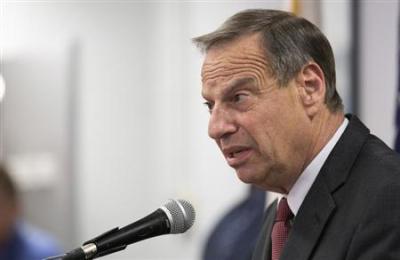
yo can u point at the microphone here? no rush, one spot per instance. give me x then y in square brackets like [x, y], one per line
[175, 217]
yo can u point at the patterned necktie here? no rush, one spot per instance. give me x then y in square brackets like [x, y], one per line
[281, 228]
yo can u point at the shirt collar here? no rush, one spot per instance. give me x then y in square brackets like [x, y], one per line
[303, 184]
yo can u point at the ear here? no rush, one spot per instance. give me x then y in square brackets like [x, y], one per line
[312, 88]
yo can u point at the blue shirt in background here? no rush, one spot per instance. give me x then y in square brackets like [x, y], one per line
[28, 243]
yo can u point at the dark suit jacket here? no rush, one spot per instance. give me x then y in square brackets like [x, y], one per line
[352, 210]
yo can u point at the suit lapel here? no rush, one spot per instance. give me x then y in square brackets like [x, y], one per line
[319, 204]
[309, 224]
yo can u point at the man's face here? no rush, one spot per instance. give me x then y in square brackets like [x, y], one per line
[261, 129]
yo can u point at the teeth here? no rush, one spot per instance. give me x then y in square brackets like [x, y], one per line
[232, 155]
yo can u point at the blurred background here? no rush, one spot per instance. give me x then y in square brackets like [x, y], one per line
[103, 121]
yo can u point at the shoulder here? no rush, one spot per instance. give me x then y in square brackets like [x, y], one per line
[37, 244]
[376, 180]
[376, 176]
[378, 159]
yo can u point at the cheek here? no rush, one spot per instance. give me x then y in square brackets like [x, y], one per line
[272, 133]
[262, 134]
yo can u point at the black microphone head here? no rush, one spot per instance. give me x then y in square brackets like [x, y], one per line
[181, 215]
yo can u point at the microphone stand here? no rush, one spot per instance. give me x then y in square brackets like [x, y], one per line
[89, 249]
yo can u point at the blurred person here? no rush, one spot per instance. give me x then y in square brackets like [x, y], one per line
[268, 79]
[235, 235]
[18, 240]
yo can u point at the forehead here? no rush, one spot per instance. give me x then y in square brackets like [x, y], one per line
[244, 55]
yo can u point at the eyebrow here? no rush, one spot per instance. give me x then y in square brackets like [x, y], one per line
[238, 83]
[234, 85]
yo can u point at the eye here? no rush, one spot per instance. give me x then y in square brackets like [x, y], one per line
[209, 105]
[239, 97]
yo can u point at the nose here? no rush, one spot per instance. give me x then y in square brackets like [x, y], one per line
[221, 124]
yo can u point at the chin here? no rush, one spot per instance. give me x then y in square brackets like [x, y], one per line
[246, 176]
[258, 176]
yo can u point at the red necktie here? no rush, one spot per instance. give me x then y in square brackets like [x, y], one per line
[281, 228]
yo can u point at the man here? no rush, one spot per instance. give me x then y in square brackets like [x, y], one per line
[18, 241]
[269, 83]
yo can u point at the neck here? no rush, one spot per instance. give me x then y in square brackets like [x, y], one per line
[321, 129]
[324, 126]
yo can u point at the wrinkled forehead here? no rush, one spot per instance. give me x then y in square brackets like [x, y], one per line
[244, 55]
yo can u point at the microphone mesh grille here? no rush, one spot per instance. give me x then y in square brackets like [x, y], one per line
[183, 215]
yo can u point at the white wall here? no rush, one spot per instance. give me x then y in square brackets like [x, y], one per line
[379, 66]
[336, 25]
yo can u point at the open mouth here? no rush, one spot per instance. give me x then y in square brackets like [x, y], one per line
[235, 154]
[238, 156]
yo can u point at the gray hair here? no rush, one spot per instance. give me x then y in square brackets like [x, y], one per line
[289, 43]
